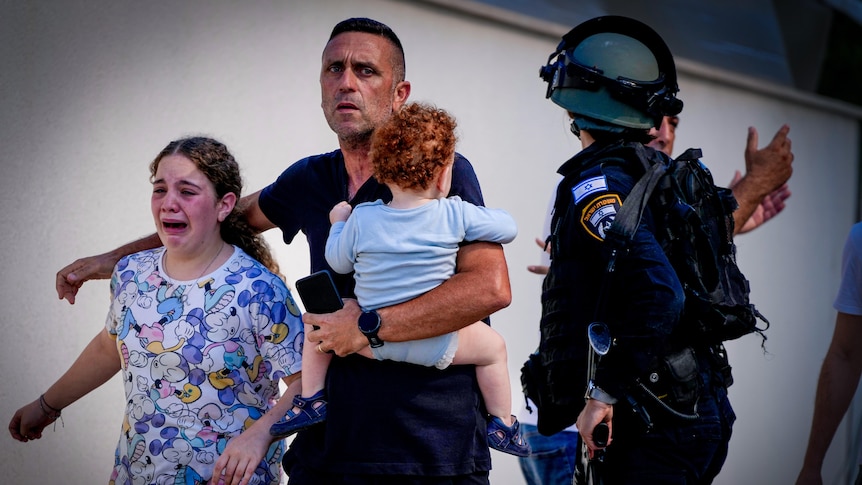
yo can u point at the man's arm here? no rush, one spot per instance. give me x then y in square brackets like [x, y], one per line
[100, 266]
[540, 268]
[769, 207]
[839, 377]
[249, 206]
[766, 171]
[479, 288]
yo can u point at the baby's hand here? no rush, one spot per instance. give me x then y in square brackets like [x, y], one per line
[340, 212]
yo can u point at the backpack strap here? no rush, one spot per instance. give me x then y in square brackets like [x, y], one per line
[629, 216]
[626, 222]
[691, 154]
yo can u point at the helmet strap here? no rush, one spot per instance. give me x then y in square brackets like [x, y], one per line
[575, 129]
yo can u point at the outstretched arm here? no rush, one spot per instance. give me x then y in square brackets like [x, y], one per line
[100, 266]
[97, 363]
[767, 170]
[839, 377]
[479, 287]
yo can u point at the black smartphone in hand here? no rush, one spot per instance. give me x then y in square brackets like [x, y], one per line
[318, 293]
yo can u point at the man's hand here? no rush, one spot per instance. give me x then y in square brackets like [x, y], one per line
[70, 278]
[768, 208]
[770, 167]
[540, 268]
[766, 170]
[337, 332]
[595, 412]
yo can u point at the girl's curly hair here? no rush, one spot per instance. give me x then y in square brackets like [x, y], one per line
[411, 148]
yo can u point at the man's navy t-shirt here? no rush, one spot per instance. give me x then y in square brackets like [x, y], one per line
[384, 417]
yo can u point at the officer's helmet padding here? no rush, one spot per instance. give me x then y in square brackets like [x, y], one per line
[616, 70]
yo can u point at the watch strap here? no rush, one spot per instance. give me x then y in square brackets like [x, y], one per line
[370, 331]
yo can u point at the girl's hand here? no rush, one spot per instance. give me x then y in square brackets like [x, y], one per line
[28, 422]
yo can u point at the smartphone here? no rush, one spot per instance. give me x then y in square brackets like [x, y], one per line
[318, 293]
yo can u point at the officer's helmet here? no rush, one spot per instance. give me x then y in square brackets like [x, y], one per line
[614, 69]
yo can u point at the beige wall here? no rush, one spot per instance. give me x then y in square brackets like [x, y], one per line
[91, 91]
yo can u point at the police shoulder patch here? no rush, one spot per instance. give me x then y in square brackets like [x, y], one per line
[599, 213]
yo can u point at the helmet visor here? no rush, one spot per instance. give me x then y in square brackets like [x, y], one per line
[642, 95]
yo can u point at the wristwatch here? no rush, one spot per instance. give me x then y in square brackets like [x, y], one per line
[369, 325]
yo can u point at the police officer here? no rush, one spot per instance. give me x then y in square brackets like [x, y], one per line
[616, 78]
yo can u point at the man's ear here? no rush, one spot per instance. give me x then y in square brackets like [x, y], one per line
[402, 92]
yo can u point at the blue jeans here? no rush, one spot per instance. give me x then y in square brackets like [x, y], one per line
[552, 461]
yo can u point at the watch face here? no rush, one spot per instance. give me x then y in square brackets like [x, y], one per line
[369, 322]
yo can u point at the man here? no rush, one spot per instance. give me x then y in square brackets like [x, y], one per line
[388, 422]
[616, 78]
[842, 366]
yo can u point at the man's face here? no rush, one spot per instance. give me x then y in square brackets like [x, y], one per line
[358, 86]
[665, 135]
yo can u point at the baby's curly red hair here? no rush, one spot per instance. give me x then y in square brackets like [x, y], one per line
[413, 146]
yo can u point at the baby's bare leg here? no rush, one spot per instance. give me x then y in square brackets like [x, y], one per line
[314, 366]
[480, 345]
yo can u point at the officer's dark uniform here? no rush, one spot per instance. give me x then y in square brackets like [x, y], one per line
[642, 303]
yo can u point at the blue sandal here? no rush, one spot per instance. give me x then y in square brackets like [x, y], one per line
[507, 439]
[312, 410]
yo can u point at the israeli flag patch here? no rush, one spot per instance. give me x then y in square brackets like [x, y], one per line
[589, 186]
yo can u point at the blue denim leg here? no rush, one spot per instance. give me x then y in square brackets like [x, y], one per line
[552, 461]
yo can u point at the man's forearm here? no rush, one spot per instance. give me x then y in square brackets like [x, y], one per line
[766, 169]
[479, 288]
[70, 278]
[839, 378]
[142, 244]
[250, 210]
[748, 196]
[830, 404]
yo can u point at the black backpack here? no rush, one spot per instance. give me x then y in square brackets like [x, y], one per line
[698, 241]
